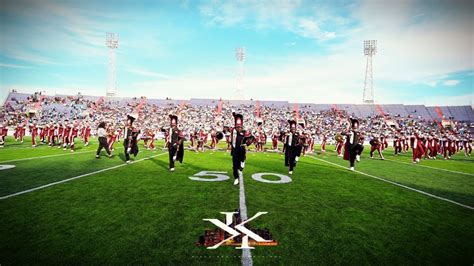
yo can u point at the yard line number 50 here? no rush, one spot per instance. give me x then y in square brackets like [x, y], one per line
[215, 176]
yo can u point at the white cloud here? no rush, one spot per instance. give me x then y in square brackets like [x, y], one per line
[14, 66]
[432, 83]
[56, 29]
[465, 99]
[29, 56]
[148, 73]
[271, 15]
[309, 28]
[451, 82]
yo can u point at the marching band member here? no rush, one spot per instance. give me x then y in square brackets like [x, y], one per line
[5, 131]
[452, 146]
[73, 135]
[227, 134]
[275, 138]
[383, 142]
[404, 142]
[202, 137]
[102, 135]
[87, 133]
[66, 133]
[21, 131]
[50, 134]
[34, 133]
[192, 137]
[376, 145]
[60, 134]
[339, 144]
[433, 146]
[130, 137]
[167, 138]
[43, 131]
[151, 142]
[323, 143]
[238, 148]
[467, 143]
[417, 147]
[308, 143]
[292, 147]
[16, 133]
[213, 138]
[175, 146]
[112, 137]
[353, 148]
[397, 145]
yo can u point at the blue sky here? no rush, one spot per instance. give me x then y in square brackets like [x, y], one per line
[301, 51]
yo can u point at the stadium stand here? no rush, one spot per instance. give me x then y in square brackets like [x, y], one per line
[459, 113]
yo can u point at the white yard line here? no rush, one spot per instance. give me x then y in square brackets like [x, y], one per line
[246, 255]
[45, 156]
[400, 185]
[76, 177]
[431, 167]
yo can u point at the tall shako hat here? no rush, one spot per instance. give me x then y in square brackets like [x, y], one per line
[292, 124]
[132, 117]
[354, 123]
[238, 120]
[173, 120]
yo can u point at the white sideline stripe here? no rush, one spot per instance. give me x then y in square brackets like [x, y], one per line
[246, 256]
[45, 156]
[400, 185]
[431, 167]
[76, 177]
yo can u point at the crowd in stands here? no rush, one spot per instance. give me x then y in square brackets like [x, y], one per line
[203, 122]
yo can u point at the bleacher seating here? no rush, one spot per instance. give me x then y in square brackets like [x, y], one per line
[460, 113]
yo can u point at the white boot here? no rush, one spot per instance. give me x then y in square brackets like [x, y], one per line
[236, 181]
[358, 158]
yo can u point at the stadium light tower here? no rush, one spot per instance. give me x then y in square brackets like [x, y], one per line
[370, 49]
[240, 55]
[111, 41]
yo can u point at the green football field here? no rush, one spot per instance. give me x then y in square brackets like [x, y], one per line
[58, 207]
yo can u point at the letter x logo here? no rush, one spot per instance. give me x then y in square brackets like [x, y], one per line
[235, 232]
